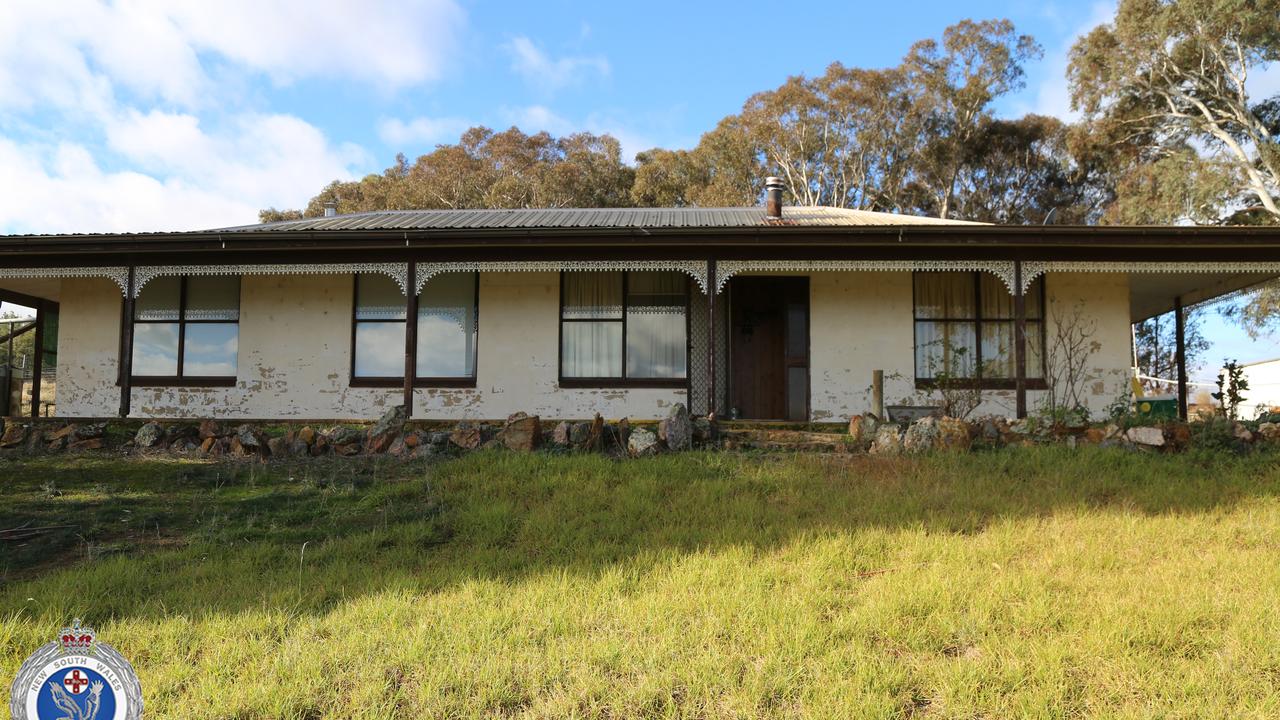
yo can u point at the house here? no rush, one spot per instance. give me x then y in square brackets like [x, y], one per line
[761, 312]
[1263, 393]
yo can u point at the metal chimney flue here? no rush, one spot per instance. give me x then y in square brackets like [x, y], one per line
[773, 198]
[331, 208]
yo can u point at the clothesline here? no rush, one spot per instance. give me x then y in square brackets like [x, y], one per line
[1166, 381]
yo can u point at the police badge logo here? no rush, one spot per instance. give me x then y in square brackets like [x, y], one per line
[76, 678]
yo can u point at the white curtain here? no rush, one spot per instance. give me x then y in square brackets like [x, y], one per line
[948, 348]
[951, 347]
[656, 344]
[592, 295]
[944, 295]
[592, 349]
[656, 327]
[657, 337]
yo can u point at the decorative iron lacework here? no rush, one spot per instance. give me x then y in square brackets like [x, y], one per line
[396, 271]
[656, 309]
[456, 315]
[213, 315]
[726, 269]
[118, 275]
[696, 269]
[1031, 269]
[594, 312]
[698, 332]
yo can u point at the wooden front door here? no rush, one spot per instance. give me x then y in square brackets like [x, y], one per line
[769, 347]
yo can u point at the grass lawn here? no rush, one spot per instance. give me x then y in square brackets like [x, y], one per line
[1035, 582]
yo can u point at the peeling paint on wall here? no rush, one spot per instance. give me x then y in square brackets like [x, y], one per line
[861, 322]
[295, 355]
[295, 340]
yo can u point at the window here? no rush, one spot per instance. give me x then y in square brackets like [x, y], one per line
[624, 328]
[186, 331]
[964, 328]
[447, 327]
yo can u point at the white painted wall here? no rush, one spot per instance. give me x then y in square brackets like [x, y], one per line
[294, 355]
[517, 362]
[295, 358]
[295, 336]
[863, 321]
[1264, 387]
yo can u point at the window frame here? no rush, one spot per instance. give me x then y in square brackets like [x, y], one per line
[397, 381]
[930, 383]
[179, 379]
[622, 381]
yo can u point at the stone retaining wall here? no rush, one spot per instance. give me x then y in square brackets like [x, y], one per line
[392, 435]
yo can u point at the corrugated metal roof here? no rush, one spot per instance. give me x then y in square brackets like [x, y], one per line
[596, 218]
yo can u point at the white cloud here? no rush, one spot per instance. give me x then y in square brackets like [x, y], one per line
[534, 118]
[132, 115]
[180, 178]
[421, 130]
[255, 155]
[550, 74]
[19, 310]
[62, 189]
[76, 53]
[392, 42]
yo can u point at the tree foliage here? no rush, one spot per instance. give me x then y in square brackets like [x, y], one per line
[1170, 79]
[724, 170]
[919, 137]
[487, 169]
[23, 345]
[958, 80]
[1156, 341]
[1024, 172]
[1170, 134]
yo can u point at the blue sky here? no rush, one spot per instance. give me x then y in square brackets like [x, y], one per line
[148, 115]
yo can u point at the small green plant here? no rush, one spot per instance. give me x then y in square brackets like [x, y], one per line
[1120, 410]
[1121, 406]
[1063, 416]
[1215, 435]
[1231, 386]
[959, 392]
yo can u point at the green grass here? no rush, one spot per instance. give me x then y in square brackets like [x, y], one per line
[1037, 582]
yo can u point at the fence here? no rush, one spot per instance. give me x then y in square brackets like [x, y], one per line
[17, 371]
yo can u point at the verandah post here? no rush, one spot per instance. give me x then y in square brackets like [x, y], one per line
[1180, 355]
[37, 361]
[410, 336]
[877, 393]
[711, 337]
[126, 344]
[1019, 339]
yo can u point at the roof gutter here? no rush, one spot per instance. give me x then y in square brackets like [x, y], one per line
[1033, 235]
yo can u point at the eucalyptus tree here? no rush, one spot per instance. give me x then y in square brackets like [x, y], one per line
[1173, 79]
[957, 81]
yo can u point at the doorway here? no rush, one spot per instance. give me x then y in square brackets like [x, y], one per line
[769, 347]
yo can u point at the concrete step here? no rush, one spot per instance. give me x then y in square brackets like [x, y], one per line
[783, 440]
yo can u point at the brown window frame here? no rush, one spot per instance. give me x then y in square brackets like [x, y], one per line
[929, 383]
[622, 381]
[181, 380]
[397, 381]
